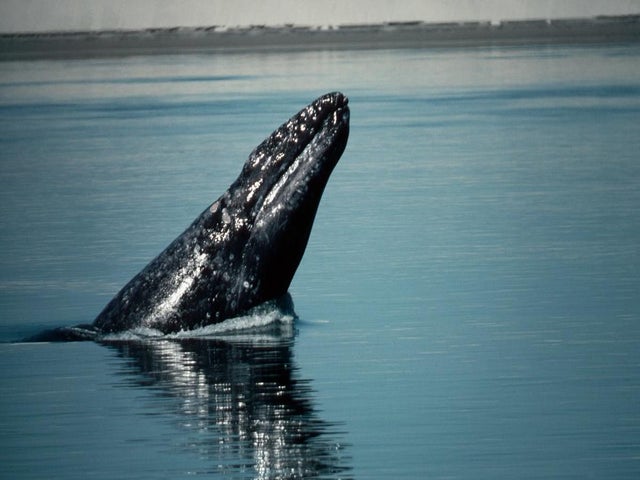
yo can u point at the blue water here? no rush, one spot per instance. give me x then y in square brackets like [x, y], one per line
[469, 300]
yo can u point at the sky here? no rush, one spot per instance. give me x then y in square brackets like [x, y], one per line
[82, 15]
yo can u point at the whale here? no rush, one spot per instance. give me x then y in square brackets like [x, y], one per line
[243, 250]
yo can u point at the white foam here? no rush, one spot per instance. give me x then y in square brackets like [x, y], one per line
[140, 333]
[267, 318]
[252, 322]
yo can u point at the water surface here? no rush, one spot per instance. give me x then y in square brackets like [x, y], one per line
[468, 301]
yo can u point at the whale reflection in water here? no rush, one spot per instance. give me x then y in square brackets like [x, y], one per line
[241, 397]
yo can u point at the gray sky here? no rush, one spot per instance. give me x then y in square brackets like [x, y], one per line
[49, 15]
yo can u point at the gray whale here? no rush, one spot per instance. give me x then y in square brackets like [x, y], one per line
[244, 248]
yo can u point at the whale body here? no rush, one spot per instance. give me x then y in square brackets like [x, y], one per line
[245, 247]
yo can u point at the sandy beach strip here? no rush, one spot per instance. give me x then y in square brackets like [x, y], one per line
[609, 29]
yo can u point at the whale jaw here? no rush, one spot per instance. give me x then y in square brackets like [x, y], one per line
[283, 221]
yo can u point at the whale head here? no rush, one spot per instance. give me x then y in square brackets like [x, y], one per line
[269, 210]
[244, 249]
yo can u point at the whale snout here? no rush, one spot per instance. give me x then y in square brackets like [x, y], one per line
[336, 99]
[333, 107]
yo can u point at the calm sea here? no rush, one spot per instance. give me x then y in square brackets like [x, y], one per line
[469, 301]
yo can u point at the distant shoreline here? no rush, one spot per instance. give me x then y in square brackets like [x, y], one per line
[63, 45]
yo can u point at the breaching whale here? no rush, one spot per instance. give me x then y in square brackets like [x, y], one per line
[244, 248]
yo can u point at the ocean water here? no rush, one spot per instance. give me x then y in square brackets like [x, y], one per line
[469, 301]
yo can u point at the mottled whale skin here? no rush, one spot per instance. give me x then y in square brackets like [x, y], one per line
[244, 248]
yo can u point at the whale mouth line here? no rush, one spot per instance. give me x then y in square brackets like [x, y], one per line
[317, 122]
[310, 156]
[301, 150]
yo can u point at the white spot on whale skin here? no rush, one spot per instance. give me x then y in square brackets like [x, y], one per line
[226, 218]
[182, 282]
[254, 188]
[214, 208]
